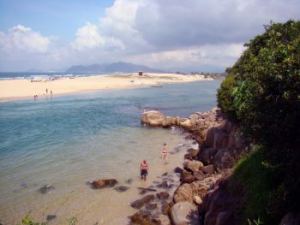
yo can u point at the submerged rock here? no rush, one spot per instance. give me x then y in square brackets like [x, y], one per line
[146, 190]
[178, 170]
[50, 217]
[151, 206]
[46, 188]
[141, 218]
[121, 188]
[141, 202]
[129, 181]
[102, 183]
[162, 195]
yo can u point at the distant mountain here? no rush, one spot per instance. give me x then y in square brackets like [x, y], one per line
[110, 68]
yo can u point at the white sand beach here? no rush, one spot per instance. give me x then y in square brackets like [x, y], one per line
[25, 88]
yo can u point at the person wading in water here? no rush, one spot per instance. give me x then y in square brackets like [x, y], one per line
[164, 152]
[144, 170]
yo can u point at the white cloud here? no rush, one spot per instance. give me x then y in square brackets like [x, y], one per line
[164, 34]
[212, 56]
[88, 36]
[22, 38]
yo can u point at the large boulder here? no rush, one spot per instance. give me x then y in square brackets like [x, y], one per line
[153, 118]
[193, 165]
[183, 193]
[102, 183]
[185, 213]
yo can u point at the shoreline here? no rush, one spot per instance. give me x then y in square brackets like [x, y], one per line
[19, 89]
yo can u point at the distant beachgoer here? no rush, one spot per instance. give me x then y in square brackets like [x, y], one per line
[51, 93]
[46, 90]
[144, 170]
[164, 152]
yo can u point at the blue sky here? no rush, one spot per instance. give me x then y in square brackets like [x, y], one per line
[52, 18]
[174, 35]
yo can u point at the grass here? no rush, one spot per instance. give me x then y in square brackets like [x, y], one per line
[259, 187]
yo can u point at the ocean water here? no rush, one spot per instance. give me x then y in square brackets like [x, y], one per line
[69, 140]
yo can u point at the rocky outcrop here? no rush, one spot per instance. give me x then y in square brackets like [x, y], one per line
[202, 177]
[153, 118]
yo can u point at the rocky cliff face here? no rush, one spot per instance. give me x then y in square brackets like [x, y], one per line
[204, 173]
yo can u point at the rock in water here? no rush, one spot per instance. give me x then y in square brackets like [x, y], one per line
[178, 170]
[121, 188]
[162, 195]
[153, 118]
[50, 217]
[142, 219]
[141, 202]
[185, 213]
[46, 188]
[102, 183]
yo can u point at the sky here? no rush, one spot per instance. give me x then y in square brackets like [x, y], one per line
[171, 35]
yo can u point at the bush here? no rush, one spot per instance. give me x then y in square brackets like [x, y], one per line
[262, 93]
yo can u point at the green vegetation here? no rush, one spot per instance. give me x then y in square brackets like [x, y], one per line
[262, 93]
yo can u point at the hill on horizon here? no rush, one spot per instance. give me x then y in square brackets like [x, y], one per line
[110, 68]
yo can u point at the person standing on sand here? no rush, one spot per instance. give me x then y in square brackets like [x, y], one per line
[164, 152]
[144, 170]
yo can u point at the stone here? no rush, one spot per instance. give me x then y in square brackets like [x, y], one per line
[183, 193]
[193, 152]
[151, 206]
[102, 183]
[192, 165]
[165, 185]
[209, 169]
[166, 207]
[129, 181]
[197, 200]
[121, 188]
[162, 195]
[186, 123]
[46, 188]
[146, 190]
[50, 217]
[198, 175]
[141, 202]
[178, 170]
[187, 178]
[185, 213]
[140, 218]
[153, 118]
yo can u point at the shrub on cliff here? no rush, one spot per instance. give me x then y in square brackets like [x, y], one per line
[262, 92]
